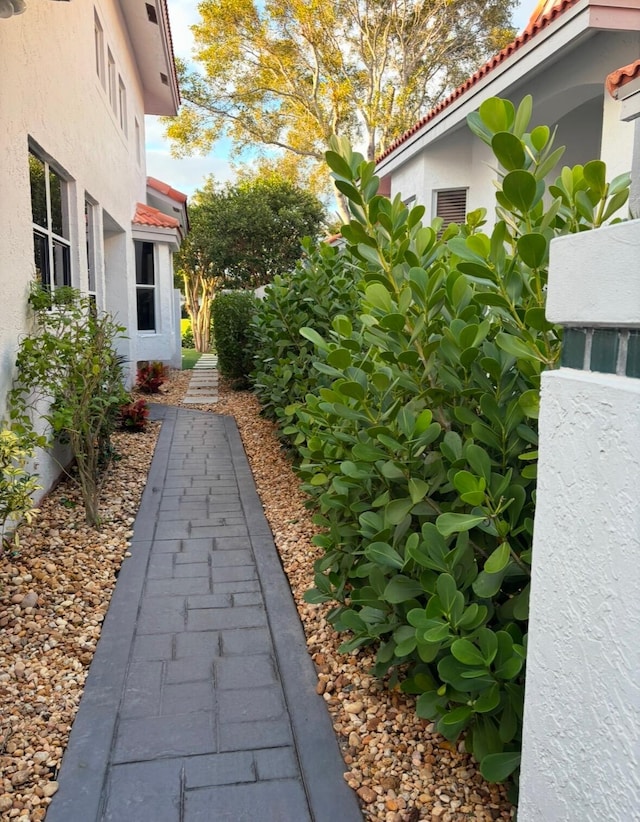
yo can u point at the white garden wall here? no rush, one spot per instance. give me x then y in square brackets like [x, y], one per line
[581, 751]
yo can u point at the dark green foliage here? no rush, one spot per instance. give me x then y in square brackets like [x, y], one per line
[70, 375]
[187, 338]
[233, 314]
[320, 287]
[418, 441]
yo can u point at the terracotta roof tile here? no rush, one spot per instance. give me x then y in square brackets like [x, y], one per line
[544, 14]
[147, 215]
[617, 79]
[166, 189]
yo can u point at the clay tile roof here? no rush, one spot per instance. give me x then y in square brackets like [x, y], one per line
[147, 215]
[544, 14]
[617, 79]
[166, 189]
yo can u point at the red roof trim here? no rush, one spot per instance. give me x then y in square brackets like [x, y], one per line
[617, 79]
[147, 215]
[165, 188]
[535, 26]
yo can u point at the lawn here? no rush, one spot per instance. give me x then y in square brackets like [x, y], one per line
[189, 358]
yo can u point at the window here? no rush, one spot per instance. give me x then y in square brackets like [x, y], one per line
[90, 235]
[145, 286]
[99, 43]
[138, 135]
[451, 205]
[111, 76]
[51, 246]
[122, 104]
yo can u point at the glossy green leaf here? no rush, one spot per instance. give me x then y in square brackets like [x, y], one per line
[533, 249]
[509, 150]
[383, 554]
[499, 766]
[402, 589]
[448, 524]
[498, 560]
[520, 188]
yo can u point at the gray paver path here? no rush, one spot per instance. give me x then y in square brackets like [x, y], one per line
[203, 384]
[200, 703]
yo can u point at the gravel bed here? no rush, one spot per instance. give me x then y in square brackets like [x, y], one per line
[53, 598]
[54, 595]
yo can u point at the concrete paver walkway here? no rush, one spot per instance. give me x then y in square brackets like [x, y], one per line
[203, 384]
[200, 703]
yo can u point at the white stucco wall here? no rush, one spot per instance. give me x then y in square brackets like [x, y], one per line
[581, 750]
[565, 74]
[50, 95]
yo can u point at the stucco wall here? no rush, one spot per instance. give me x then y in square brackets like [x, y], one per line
[50, 95]
[581, 753]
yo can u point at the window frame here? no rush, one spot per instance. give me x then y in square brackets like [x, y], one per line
[99, 48]
[146, 287]
[55, 248]
[122, 105]
[112, 80]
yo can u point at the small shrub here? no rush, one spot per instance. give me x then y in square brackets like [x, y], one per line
[17, 485]
[187, 338]
[134, 415]
[233, 314]
[151, 376]
[70, 368]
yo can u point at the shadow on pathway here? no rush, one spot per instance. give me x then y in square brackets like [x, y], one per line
[200, 703]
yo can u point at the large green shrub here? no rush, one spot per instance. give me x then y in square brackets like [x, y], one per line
[233, 329]
[70, 375]
[420, 451]
[319, 288]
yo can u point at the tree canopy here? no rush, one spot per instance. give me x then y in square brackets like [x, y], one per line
[290, 74]
[241, 236]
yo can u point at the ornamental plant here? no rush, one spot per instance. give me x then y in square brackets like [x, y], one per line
[419, 450]
[134, 415]
[70, 375]
[151, 375]
[17, 486]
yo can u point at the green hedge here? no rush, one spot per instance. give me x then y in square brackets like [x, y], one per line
[232, 314]
[416, 436]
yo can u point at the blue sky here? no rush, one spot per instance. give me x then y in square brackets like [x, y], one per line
[188, 173]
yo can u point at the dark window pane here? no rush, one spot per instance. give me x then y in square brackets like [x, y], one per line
[41, 258]
[144, 263]
[61, 264]
[146, 309]
[55, 188]
[38, 191]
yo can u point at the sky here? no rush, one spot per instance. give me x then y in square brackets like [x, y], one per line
[188, 173]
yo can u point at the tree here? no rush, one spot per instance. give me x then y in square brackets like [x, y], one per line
[240, 237]
[290, 74]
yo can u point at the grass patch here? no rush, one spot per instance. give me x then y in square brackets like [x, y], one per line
[189, 358]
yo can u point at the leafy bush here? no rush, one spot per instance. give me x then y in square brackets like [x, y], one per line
[17, 485]
[134, 415]
[187, 337]
[151, 375]
[319, 288]
[420, 452]
[233, 329]
[69, 367]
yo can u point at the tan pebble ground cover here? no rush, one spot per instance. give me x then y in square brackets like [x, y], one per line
[402, 771]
